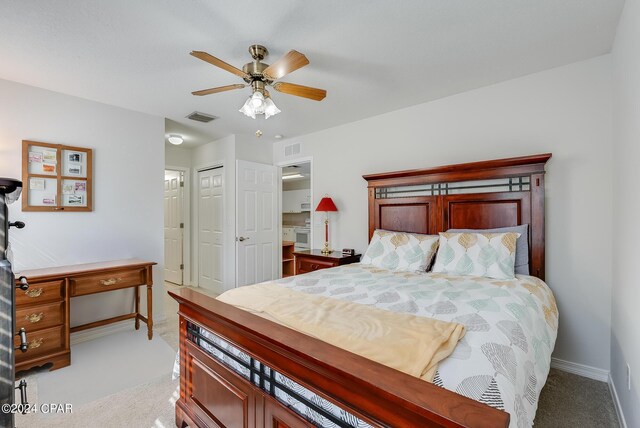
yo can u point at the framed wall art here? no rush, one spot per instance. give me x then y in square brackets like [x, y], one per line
[56, 177]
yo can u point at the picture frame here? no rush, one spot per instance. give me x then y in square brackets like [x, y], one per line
[74, 200]
[59, 177]
[74, 157]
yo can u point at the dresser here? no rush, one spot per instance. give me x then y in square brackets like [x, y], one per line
[43, 309]
[312, 260]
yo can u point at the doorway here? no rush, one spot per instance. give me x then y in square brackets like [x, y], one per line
[174, 226]
[296, 211]
[210, 230]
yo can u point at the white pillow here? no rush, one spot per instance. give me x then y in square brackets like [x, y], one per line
[490, 255]
[400, 251]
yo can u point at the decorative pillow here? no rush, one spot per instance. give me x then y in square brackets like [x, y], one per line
[522, 244]
[480, 254]
[400, 251]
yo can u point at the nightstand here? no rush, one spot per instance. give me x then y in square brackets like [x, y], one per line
[311, 260]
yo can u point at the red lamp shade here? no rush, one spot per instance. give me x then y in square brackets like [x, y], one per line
[326, 204]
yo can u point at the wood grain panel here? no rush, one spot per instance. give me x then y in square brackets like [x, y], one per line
[483, 214]
[40, 292]
[38, 317]
[276, 416]
[221, 398]
[413, 215]
[106, 281]
[41, 342]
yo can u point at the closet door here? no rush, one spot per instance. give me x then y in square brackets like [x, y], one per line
[210, 229]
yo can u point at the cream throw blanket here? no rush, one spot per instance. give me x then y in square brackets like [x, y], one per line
[414, 345]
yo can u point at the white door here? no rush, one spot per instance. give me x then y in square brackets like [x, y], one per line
[173, 227]
[257, 231]
[210, 229]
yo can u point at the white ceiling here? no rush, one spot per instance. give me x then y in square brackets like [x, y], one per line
[371, 56]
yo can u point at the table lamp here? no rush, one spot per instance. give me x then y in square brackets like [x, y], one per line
[326, 205]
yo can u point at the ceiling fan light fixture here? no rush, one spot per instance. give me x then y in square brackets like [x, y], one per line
[257, 100]
[175, 139]
[247, 109]
[270, 108]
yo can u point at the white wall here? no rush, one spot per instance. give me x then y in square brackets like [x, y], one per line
[625, 339]
[127, 219]
[566, 111]
[253, 149]
[177, 156]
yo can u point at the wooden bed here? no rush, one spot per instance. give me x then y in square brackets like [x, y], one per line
[479, 195]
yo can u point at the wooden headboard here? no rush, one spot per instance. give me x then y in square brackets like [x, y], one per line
[477, 195]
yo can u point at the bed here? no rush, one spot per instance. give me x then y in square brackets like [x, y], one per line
[238, 369]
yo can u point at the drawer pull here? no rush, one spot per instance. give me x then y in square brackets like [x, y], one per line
[35, 343]
[110, 281]
[34, 318]
[315, 267]
[23, 340]
[36, 292]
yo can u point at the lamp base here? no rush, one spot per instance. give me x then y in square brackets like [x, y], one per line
[326, 249]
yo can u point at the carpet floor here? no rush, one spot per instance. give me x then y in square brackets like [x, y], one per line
[569, 400]
[150, 405]
[566, 401]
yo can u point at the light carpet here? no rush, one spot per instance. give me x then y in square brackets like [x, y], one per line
[150, 405]
[105, 366]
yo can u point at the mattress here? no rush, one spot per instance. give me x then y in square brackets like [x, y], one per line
[502, 361]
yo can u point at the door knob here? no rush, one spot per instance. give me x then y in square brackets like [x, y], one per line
[242, 238]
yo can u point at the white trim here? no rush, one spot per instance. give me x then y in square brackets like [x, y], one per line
[196, 202]
[116, 327]
[186, 219]
[616, 402]
[580, 369]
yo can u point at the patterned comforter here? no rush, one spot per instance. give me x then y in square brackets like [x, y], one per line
[504, 358]
[511, 326]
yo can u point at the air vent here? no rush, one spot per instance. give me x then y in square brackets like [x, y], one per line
[292, 150]
[201, 117]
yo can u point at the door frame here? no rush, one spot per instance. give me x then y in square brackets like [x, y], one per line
[279, 166]
[196, 206]
[186, 219]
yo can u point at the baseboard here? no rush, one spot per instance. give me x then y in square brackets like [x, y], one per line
[580, 369]
[616, 402]
[116, 327]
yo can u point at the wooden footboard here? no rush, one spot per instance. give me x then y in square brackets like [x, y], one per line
[213, 395]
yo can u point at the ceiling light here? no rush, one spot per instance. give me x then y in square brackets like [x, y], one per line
[257, 100]
[259, 104]
[278, 136]
[247, 109]
[270, 108]
[175, 139]
[290, 176]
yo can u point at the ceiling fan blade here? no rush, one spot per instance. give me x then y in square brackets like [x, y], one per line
[218, 89]
[300, 91]
[220, 63]
[292, 61]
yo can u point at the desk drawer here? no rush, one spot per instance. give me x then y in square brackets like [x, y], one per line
[309, 265]
[40, 342]
[41, 316]
[38, 293]
[106, 281]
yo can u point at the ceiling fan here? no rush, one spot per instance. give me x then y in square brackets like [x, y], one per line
[259, 75]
